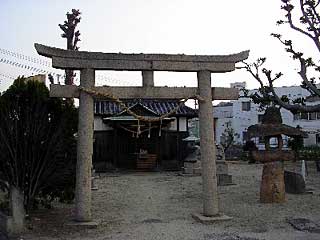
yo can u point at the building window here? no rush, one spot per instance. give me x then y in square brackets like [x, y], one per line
[273, 142]
[246, 106]
[304, 115]
[307, 116]
[260, 117]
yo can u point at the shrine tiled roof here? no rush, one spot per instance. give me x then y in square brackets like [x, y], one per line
[158, 106]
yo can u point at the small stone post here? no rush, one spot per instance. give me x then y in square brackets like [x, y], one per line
[207, 147]
[147, 79]
[18, 211]
[84, 148]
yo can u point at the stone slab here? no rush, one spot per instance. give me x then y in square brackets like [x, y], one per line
[209, 220]
[224, 180]
[294, 182]
[304, 224]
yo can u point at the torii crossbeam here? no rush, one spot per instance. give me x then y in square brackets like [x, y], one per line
[88, 62]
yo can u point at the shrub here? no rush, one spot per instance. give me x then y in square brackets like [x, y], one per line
[37, 142]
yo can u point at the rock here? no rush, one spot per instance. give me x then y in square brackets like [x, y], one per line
[294, 182]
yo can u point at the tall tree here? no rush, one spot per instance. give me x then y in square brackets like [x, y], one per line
[72, 36]
[308, 25]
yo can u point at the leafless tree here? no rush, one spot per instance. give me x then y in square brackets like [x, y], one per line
[309, 26]
[72, 36]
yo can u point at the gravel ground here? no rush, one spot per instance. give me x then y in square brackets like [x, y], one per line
[159, 206]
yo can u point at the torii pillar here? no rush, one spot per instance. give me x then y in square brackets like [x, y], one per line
[207, 146]
[88, 62]
[84, 148]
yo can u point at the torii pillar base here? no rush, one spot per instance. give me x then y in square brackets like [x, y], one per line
[209, 220]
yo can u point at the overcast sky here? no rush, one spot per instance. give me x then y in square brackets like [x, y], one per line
[207, 27]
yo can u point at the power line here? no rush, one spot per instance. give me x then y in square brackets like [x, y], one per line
[25, 57]
[35, 68]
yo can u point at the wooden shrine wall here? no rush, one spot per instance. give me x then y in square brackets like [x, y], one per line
[119, 149]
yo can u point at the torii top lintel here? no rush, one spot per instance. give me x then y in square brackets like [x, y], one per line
[68, 59]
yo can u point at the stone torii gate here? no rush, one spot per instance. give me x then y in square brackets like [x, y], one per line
[88, 62]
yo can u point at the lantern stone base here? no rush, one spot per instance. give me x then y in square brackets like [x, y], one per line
[272, 189]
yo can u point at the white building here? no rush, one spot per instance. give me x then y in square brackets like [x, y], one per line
[242, 113]
[310, 122]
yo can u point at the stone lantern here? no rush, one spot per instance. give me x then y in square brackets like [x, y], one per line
[272, 189]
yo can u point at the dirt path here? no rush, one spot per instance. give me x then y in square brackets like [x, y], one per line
[159, 206]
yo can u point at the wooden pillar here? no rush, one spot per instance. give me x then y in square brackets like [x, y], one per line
[207, 148]
[85, 148]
